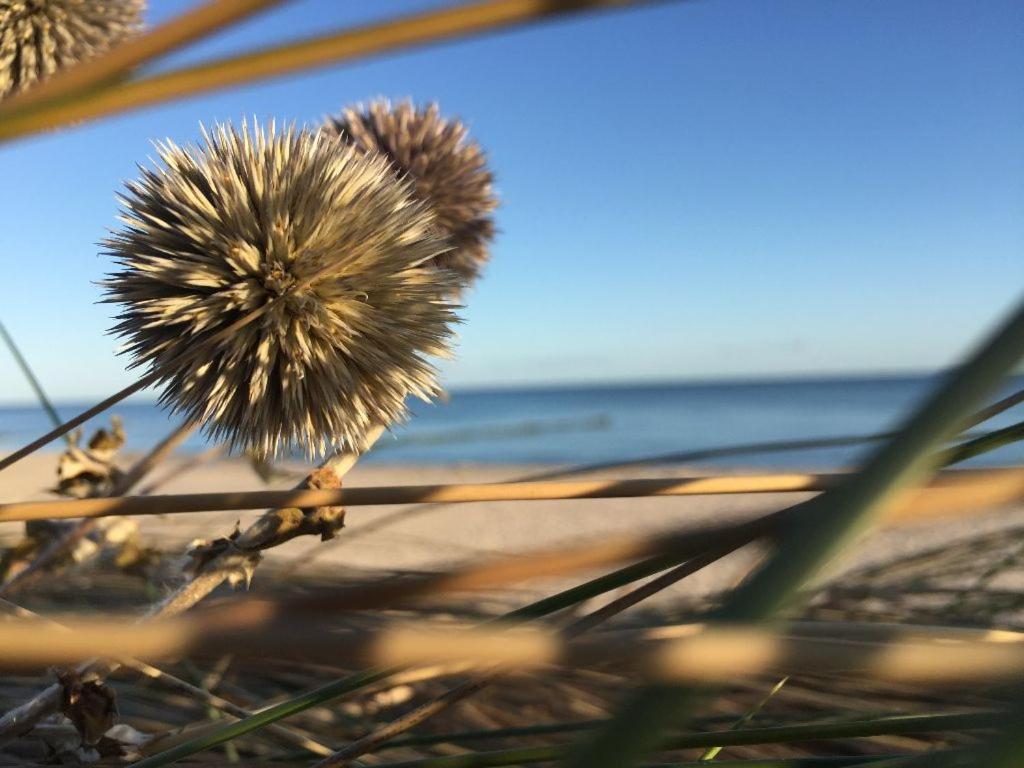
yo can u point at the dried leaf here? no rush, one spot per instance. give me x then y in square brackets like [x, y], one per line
[90, 704]
[90, 472]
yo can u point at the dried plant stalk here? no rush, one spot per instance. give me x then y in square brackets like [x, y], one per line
[123, 484]
[692, 653]
[193, 25]
[41, 37]
[950, 492]
[417, 29]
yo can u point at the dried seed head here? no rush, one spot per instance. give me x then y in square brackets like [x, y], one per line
[449, 172]
[329, 243]
[40, 37]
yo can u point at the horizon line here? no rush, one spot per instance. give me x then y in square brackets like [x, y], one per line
[613, 383]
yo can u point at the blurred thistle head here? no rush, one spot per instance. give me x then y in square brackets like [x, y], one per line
[40, 37]
[448, 170]
[330, 244]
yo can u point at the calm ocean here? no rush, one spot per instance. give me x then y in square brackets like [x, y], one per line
[563, 425]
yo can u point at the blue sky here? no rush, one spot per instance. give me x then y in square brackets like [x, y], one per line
[704, 189]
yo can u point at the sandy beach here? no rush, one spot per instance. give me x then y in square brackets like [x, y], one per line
[383, 539]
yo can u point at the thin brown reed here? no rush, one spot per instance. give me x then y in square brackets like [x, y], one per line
[77, 421]
[151, 378]
[285, 733]
[189, 27]
[415, 29]
[504, 571]
[979, 487]
[692, 653]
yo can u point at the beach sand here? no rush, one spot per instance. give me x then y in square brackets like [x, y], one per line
[427, 537]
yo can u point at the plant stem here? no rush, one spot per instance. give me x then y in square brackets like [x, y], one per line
[33, 382]
[818, 532]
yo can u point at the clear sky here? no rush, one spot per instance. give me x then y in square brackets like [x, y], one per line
[704, 189]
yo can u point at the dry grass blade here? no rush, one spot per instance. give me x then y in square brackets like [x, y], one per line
[952, 489]
[191, 26]
[691, 653]
[333, 690]
[219, 568]
[77, 421]
[995, 409]
[286, 734]
[418, 29]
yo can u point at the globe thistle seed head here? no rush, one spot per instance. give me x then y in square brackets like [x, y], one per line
[448, 170]
[40, 37]
[329, 243]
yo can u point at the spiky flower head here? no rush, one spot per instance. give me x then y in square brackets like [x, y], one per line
[40, 37]
[449, 172]
[330, 244]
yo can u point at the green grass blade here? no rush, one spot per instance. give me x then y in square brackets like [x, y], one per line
[712, 752]
[352, 683]
[986, 443]
[816, 533]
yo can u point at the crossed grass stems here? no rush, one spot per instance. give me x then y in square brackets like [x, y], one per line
[807, 536]
[620, 578]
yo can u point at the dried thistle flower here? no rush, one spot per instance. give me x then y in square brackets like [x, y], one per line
[40, 37]
[449, 172]
[329, 242]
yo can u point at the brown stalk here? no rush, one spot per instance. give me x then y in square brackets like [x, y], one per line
[189, 27]
[684, 653]
[415, 29]
[200, 694]
[307, 558]
[995, 409]
[151, 378]
[950, 490]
